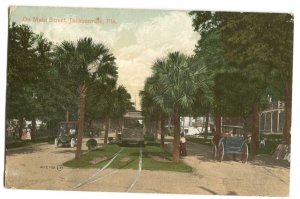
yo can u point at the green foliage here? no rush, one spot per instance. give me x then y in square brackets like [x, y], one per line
[43, 80]
[29, 61]
[91, 144]
[175, 81]
[174, 88]
[107, 102]
[209, 53]
[258, 46]
[150, 110]
[236, 98]
[83, 61]
[261, 44]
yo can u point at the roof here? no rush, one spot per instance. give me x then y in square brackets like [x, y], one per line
[134, 115]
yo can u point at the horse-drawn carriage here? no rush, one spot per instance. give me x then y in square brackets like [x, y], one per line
[231, 144]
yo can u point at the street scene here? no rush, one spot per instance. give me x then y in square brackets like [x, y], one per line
[27, 168]
[123, 100]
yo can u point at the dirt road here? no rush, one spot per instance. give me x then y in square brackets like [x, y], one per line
[39, 167]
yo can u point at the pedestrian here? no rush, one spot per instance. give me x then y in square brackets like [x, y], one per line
[182, 145]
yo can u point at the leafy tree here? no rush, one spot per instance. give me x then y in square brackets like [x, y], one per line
[29, 59]
[119, 105]
[20, 69]
[210, 53]
[259, 45]
[269, 58]
[105, 103]
[204, 105]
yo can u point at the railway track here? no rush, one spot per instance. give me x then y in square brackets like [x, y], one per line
[137, 176]
[98, 171]
[99, 174]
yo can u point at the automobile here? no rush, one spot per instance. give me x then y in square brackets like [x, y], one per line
[67, 134]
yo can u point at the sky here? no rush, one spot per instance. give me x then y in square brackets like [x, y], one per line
[136, 37]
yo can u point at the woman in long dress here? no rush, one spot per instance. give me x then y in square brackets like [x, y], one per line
[182, 145]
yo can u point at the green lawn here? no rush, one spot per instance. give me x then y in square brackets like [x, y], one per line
[154, 158]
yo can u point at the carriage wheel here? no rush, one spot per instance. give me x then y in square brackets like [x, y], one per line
[214, 151]
[244, 153]
[221, 152]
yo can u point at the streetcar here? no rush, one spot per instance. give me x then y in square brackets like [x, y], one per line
[132, 128]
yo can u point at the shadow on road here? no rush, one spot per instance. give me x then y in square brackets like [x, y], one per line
[267, 160]
[232, 193]
[209, 190]
[65, 151]
[23, 150]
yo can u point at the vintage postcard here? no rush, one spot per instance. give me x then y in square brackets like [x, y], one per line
[149, 101]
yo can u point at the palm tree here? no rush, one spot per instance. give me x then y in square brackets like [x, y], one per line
[82, 63]
[177, 78]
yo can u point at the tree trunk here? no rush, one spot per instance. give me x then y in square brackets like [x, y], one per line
[152, 128]
[80, 120]
[206, 126]
[169, 125]
[106, 130]
[288, 114]
[162, 132]
[176, 141]
[217, 117]
[67, 115]
[33, 129]
[218, 130]
[22, 123]
[255, 130]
